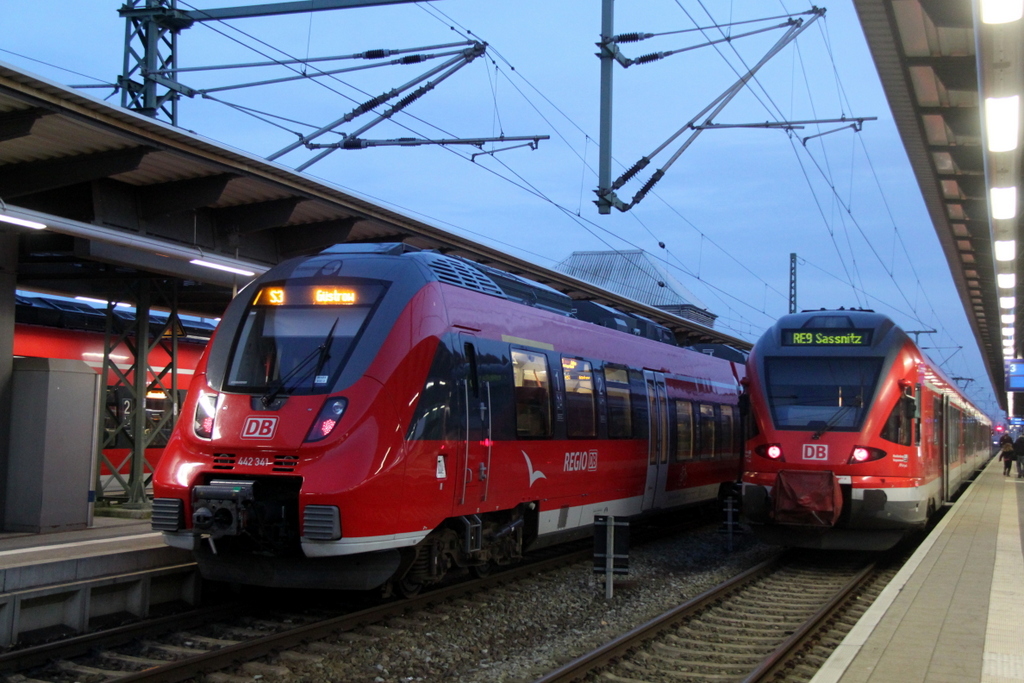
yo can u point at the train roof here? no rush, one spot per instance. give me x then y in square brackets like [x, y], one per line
[68, 314]
[460, 272]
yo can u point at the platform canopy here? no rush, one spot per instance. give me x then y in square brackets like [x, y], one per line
[952, 72]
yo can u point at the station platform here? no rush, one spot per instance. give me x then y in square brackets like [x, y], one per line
[80, 542]
[110, 546]
[75, 581]
[955, 612]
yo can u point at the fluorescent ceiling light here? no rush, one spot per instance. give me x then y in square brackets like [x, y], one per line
[22, 222]
[1006, 280]
[1003, 202]
[1007, 331]
[1001, 11]
[1007, 302]
[1008, 317]
[220, 266]
[102, 302]
[1002, 123]
[1006, 250]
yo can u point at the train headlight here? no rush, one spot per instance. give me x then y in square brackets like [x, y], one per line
[206, 415]
[772, 451]
[864, 454]
[328, 419]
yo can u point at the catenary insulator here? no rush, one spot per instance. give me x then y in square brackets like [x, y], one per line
[370, 104]
[633, 170]
[653, 57]
[409, 99]
[648, 186]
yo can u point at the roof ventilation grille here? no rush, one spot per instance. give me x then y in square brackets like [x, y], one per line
[460, 274]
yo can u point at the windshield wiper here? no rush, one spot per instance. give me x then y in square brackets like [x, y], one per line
[323, 351]
[857, 402]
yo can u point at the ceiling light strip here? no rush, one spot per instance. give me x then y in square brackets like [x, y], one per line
[97, 233]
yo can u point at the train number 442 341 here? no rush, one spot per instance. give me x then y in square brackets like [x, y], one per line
[255, 462]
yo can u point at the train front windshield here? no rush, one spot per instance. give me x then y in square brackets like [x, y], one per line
[811, 393]
[295, 339]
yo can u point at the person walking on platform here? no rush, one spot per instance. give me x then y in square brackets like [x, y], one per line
[1018, 450]
[1006, 453]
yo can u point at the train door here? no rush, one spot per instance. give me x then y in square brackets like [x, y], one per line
[945, 450]
[657, 440]
[475, 450]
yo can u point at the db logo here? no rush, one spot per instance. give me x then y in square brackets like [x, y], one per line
[259, 427]
[815, 451]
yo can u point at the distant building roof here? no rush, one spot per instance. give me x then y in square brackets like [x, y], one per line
[635, 274]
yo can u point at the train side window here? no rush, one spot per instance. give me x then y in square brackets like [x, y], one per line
[707, 430]
[616, 383]
[954, 434]
[533, 393]
[684, 430]
[431, 417]
[728, 432]
[918, 416]
[581, 418]
[899, 427]
[638, 398]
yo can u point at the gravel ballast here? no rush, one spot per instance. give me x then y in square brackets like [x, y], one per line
[522, 631]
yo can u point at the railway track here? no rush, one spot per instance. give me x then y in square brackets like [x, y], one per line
[228, 638]
[182, 646]
[777, 621]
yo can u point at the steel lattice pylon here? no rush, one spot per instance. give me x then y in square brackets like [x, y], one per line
[133, 419]
[150, 48]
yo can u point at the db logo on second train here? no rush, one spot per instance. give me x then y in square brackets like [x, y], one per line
[580, 461]
[815, 451]
[259, 427]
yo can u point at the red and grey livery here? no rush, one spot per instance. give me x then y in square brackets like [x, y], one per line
[379, 414]
[858, 436]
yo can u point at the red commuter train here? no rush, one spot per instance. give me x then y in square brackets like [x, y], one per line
[55, 328]
[376, 415]
[857, 436]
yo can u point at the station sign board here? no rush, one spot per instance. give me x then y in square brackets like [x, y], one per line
[1014, 374]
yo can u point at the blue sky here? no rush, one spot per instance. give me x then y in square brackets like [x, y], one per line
[729, 211]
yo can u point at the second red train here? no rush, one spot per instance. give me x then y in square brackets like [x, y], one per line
[858, 436]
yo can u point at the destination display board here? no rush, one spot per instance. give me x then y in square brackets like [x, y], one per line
[317, 295]
[827, 337]
[1014, 374]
